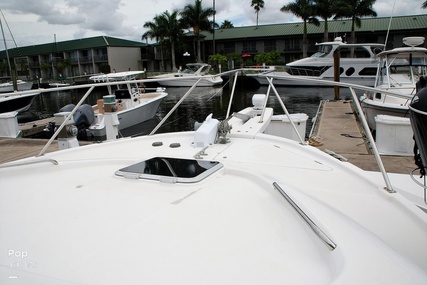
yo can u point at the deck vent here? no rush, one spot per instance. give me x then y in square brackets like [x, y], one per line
[167, 169]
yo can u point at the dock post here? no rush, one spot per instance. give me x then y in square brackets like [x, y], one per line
[337, 56]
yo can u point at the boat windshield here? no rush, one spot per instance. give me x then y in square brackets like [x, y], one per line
[191, 69]
[323, 51]
[408, 60]
[187, 70]
[205, 70]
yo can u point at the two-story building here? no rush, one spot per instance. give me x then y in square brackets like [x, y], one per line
[287, 37]
[74, 58]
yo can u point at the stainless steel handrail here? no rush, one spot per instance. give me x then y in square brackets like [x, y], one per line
[27, 162]
[316, 229]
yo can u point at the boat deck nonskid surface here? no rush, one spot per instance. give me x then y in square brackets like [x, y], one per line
[98, 226]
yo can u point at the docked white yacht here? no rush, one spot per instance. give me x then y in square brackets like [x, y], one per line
[358, 65]
[21, 85]
[224, 204]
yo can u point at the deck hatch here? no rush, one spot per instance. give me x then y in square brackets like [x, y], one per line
[179, 169]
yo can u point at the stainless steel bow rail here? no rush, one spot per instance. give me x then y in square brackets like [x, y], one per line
[235, 73]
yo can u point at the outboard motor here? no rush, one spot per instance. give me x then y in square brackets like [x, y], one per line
[418, 117]
[67, 108]
[83, 117]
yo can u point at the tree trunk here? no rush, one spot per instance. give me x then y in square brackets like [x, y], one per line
[326, 32]
[162, 68]
[199, 55]
[304, 40]
[173, 55]
[353, 38]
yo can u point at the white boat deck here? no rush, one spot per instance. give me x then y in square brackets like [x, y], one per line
[108, 226]
[184, 208]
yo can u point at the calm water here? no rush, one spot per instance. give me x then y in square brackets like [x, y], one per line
[199, 104]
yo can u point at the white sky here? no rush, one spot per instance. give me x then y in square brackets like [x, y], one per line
[38, 22]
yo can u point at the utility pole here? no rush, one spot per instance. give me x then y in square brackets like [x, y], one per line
[213, 27]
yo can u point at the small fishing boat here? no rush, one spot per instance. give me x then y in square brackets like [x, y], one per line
[21, 85]
[58, 84]
[399, 70]
[17, 101]
[131, 104]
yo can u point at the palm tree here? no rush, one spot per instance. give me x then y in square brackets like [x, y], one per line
[304, 9]
[355, 9]
[23, 66]
[194, 16]
[66, 63]
[226, 25]
[156, 30]
[325, 9]
[171, 25]
[424, 6]
[258, 5]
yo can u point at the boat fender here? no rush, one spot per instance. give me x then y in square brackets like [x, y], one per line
[421, 83]
[418, 117]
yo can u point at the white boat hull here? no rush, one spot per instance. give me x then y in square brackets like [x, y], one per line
[295, 80]
[22, 86]
[205, 82]
[189, 76]
[139, 114]
[234, 222]
[372, 108]
[129, 117]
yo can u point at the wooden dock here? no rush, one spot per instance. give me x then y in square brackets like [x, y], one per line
[36, 127]
[13, 149]
[338, 130]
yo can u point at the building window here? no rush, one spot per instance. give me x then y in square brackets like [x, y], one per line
[249, 47]
[292, 45]
[229, 48]
[269, 45]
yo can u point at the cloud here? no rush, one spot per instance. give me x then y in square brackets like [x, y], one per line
[35, 22]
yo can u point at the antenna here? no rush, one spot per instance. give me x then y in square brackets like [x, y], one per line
[389, 24]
